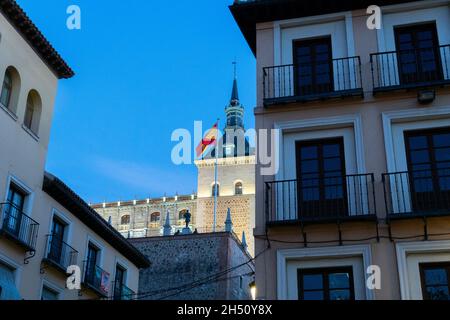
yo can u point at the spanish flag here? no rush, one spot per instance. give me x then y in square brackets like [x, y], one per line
[210, 139]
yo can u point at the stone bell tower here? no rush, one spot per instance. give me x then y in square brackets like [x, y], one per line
[236, 177]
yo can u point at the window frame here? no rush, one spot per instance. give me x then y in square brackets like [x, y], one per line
[433, 163]
[213, 191]
[296, 43]
[413, 29]
[320, 143]
[432, 265]
[241, 192]
[10, 87]
[128, 216]
[325, 272]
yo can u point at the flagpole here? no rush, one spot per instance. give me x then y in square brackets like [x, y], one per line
[215, 180]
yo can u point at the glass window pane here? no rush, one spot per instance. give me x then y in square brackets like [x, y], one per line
[443, 154]
[332, 164]
[309, 152]
[313, 295]
[312, 281]
[441, 140]
[310, 166]
[438, 293]
[331, 150]
[435, 277]
[420, 156]
[339, 280]
[339, 294]
[418, 142]
[310, 194]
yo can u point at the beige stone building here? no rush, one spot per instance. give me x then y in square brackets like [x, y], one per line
[236, 191]
[363, 150]
[44, 226]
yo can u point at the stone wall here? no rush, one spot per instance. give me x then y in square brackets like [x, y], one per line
[181, 266]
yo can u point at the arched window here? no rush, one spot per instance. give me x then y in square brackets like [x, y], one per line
[155, 217]
[238, 190]
[181, 214]
[213, 190]
[33, 112]
[10, 89]
[125, 219]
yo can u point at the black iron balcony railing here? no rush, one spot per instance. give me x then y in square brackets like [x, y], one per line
[417, 193]
[122, 292]
[96, 279]
[18, 226]
[328, 199]
[309, 81]
[407, 69]
[59, 253]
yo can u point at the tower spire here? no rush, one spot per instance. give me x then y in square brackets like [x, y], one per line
[234, 93]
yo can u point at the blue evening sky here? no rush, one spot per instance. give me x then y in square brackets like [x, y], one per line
[143, 68]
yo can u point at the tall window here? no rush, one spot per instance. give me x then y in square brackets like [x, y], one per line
[321, 186]
[326, 284]
[418, 53]
[313, 67]
[238, 190]
[119, 282]
[33, 112]
[5, 97]
[213, 190]
[91, 275]
[125, 219]
[435, 281]
[13, 210]
[57, 241]
[428, 154]
[155, 217]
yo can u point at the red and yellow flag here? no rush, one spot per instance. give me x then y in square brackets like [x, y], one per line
[210, 139]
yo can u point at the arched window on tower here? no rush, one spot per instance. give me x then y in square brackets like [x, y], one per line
[238, 189]
[10, 88]
[125, 219]
[33, 112]
[155, 217]
[213, 190]
[181, 214]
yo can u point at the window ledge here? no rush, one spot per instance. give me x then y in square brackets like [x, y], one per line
[9, 112]
[31, 133]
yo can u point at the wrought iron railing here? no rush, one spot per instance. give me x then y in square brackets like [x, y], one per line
[18, 226]
[417, 193]
[285, 83]
[96, 278]
[122, 292]
[410, 68]
[60, 253]
[323, 199]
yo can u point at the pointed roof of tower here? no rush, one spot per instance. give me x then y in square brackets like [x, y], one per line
[234, 92]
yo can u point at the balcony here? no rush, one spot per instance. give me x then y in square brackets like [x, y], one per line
[410, 69]
[96, 279]
[323, 200]
[297, 83]
[18, 227]
[417, 194]
[122, 292]
[59, 254]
